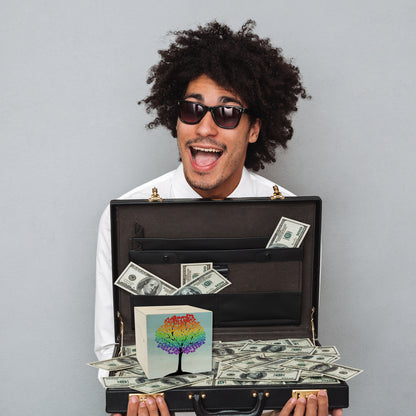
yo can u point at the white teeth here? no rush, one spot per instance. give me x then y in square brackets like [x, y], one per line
[202, 149]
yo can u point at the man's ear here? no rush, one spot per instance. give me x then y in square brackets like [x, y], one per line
[254, 132]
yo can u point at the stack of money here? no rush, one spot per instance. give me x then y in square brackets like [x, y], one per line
[196, 279]
[248, 362]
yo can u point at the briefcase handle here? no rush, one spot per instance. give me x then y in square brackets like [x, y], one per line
[257, 410]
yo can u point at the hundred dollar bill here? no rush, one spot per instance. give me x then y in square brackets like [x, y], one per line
[131, 372]
[225, 382]
[116, 364]
[228, 355]
[168, 383]
[288, 234]
[278, 349]
[129, 349]
[227, 364]
[260, 375]
[191, 271]
[137, 370]
[138, 281]
[339, 372]
[208, 381]
[208, 282]
[121, 382]
[300, 342]
[326, 350]
[276, 342]
[316, 379]
[240, 343]
[318, 357]
[257, 361]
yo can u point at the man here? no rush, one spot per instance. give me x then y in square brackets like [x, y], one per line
[227, 97]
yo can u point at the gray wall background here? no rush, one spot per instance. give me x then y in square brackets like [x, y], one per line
[72, 138]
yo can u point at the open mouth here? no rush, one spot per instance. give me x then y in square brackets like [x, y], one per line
[205, 157]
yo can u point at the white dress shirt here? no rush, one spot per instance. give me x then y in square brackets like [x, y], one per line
[170, 185]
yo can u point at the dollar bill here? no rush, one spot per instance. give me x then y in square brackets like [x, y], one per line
[191, 271]
[208, 282]
[241, 342]
[137, 370]
[256, 361]
[316, 379]
[339, 372]
[116, 364]
[288, 233]
[131, 372]
[278, 349]
[300, 342]
[208, 381]
[326, 350]
[320, 358]
[276, 342]
[226, 364]
[129, 349]
[139, 281]
[168, 383]
[260, 375]
[225, 382]
[122, 382]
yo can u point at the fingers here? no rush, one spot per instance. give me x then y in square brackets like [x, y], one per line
[288, 407]
[150, 407]
[312, 406]
[133, 406]
[143, 411]
[300, 407]
[322, 403]
[162, 406]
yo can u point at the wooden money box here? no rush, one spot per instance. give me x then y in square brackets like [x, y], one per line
[274, 292]
[173, 340]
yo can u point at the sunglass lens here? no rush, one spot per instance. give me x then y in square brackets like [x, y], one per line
[191, 112]
[227, 116]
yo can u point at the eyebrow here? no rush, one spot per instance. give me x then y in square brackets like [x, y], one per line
[224, 99]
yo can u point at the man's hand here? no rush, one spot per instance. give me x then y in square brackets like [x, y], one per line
[150, 407]
[314, 406]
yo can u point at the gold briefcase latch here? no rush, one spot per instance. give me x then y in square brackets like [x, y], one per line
[155, 197]
[276, 193]
[142, 396]
[304, 393]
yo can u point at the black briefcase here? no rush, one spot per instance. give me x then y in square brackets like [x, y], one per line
[274, 292]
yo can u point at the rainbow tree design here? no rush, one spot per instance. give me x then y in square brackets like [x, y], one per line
[179, 335]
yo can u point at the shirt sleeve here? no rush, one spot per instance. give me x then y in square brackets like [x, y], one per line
[104, 313]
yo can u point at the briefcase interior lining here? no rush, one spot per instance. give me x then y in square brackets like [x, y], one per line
[233, 235]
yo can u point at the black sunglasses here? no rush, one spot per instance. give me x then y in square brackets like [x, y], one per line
[224, 116]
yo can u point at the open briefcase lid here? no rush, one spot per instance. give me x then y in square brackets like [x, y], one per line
[274, 292]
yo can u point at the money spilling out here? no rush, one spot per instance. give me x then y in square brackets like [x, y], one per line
[234, 363]
[247, 362]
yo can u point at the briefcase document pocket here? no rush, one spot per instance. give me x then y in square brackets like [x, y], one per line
[230, 255]
[199, 243]
[237, 309]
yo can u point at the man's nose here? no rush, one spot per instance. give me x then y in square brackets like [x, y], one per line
[207, 126]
